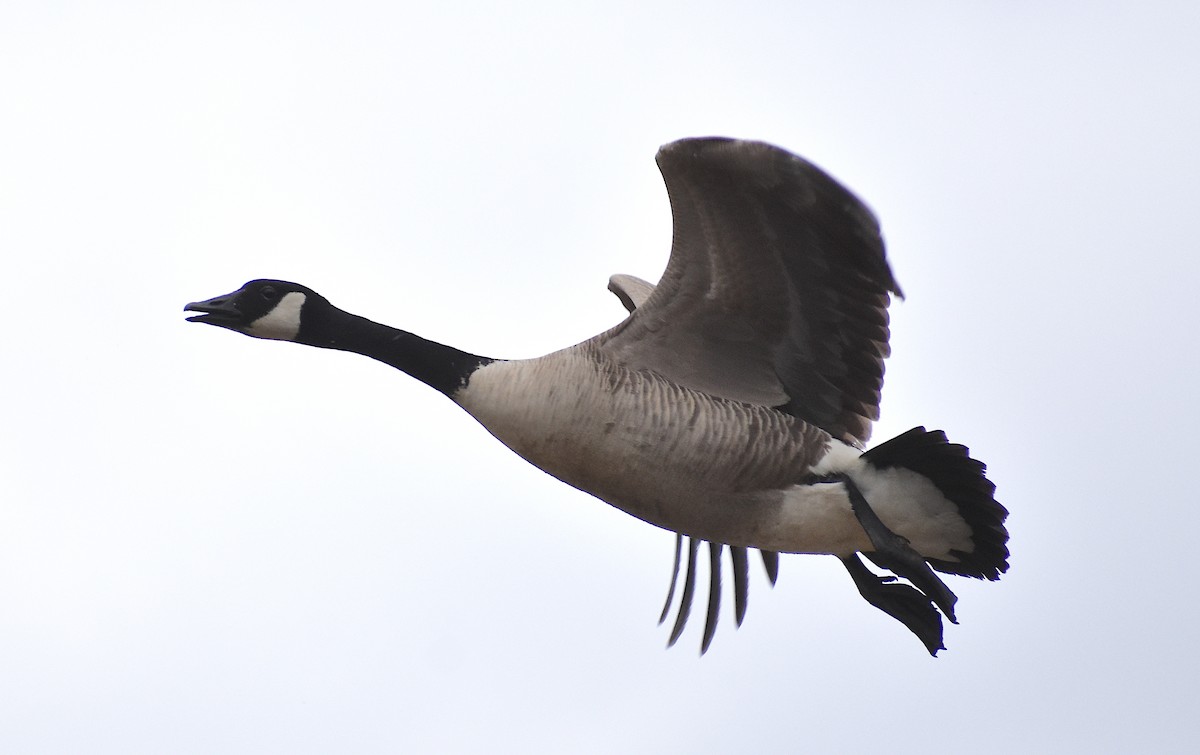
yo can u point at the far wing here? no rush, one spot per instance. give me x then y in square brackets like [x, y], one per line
[631, 290]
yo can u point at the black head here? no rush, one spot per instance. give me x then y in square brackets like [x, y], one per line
[261, 308]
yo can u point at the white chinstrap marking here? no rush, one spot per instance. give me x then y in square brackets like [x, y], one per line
[282, 323]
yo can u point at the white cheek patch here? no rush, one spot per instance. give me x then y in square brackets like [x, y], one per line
[282, 323]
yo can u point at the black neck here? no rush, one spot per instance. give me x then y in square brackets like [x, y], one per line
[442, 367]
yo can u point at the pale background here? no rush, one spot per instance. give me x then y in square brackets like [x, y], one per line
[210, 544]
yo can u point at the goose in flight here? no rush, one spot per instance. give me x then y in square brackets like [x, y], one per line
[733, 404]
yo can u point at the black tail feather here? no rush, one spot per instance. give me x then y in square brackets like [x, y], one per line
[962, 480]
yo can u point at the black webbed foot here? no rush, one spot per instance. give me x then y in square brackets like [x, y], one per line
[911, 605]
[906, 604]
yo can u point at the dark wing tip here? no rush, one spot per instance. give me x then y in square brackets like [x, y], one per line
[788, 176]
[740, 563]
[716, 152]
[689, 592]
[714, 596]
[674, 578]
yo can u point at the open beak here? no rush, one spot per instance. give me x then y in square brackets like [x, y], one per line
[220, 311]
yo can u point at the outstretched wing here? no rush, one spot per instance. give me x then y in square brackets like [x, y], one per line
[776, 292]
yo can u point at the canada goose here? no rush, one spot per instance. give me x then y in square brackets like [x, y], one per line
[732, 404]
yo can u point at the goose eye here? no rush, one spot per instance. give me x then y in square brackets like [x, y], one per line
[270, 293]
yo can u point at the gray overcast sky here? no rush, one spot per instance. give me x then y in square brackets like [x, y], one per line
[212, 544]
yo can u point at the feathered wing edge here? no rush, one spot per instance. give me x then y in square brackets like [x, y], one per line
[741, 586]
[768, 244]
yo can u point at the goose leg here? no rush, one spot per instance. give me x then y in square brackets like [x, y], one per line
[893, 552]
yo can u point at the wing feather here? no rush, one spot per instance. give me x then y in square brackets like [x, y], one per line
[776, 292]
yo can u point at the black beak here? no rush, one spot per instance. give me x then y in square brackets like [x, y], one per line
[220, 310]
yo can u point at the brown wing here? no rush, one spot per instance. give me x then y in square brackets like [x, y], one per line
[776, 292]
